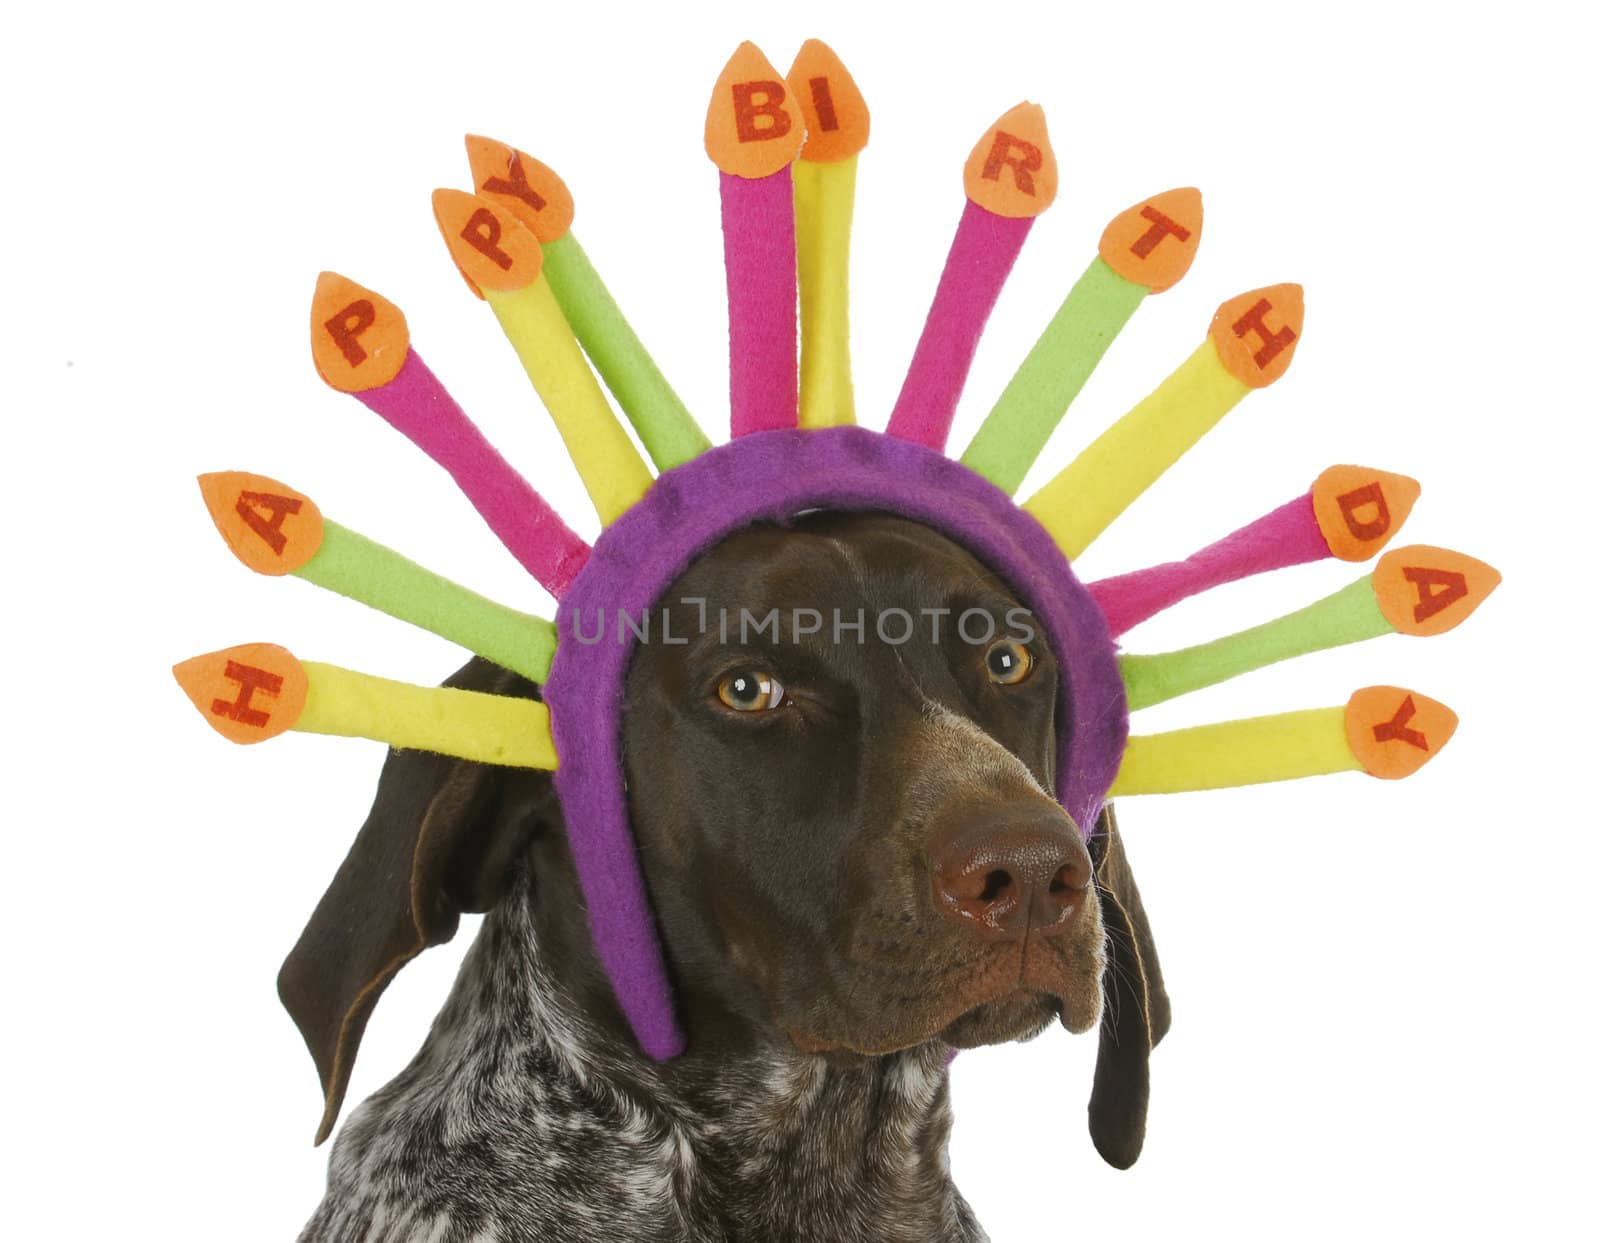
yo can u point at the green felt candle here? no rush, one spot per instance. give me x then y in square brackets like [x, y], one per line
[1347, 616]
[666, 428]
[1057, 367]
[355, 566]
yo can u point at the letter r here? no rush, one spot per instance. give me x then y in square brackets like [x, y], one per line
[1022, 157]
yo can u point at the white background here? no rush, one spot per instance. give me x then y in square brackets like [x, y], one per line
[1383, 993]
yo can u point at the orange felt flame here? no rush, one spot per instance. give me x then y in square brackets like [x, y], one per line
[530, 190]
[1012, 171]
[1393, 731]
[490, 246]
[753, 127]
[359, 339]
[1257, 332]
[266, 524]
[836, 118]
[1359, 509]
[1154, 242]
[1424, 590]
[247, 693]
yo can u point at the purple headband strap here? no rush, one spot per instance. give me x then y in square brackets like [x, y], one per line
[688, 510]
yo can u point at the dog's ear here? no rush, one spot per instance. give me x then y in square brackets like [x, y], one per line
[443, 837]
[1136, 1013]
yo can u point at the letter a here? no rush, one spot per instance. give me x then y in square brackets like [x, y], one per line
[270, 529]
[1437, 589]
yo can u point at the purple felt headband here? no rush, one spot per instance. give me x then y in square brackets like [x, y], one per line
[688, 510]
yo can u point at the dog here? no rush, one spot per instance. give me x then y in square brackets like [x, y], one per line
[857, 867]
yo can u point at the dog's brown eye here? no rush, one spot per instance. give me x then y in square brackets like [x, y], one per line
[1008, 662]
[750, 691]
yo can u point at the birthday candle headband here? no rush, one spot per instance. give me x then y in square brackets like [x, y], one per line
[786, 150]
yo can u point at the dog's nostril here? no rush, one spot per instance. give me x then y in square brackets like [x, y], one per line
[1001, 880]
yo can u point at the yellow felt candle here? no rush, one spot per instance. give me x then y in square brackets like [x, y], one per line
[1251, 342]
[837, 125]
[824, 197]
[611, 467]
[470, 725]
[1237, 753]
[1385, 731]
[256, 691]
[501, 260]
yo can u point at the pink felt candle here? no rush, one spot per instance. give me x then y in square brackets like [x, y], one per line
[416, 403]
[985, 248]
[1289, 535]
[1010, 177]
[759, 249]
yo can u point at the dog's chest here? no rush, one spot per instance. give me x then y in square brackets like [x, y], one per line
[784, 1154]
[815, 1153]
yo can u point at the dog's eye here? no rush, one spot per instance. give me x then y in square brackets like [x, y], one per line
[750, 690]
[1008, 662]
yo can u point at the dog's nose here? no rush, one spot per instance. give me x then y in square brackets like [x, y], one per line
[1005, 879]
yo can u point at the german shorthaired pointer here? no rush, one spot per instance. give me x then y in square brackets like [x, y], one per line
[856, 866]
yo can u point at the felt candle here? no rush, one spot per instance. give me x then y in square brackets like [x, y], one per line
[1351, 512]
[257, 691]
[837, 124]
[753, 134]
[1419, 590]
[502, 262]
[1384, 731]
[1146, 249]
[533, 193]
[1250, 345]
[276, 530]
[1010, 178]
[361, 346]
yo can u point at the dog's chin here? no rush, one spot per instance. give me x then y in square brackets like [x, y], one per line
[1045, 992]
[1020, 1015]
[1015, 1016]
[989, 1005]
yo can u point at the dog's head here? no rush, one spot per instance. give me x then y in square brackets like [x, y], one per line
[840, 738]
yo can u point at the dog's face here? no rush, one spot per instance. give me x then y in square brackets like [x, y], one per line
[840, 780]
[849, 834]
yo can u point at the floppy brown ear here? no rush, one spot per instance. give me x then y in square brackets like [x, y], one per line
[1136, 1014]
[443, 837]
